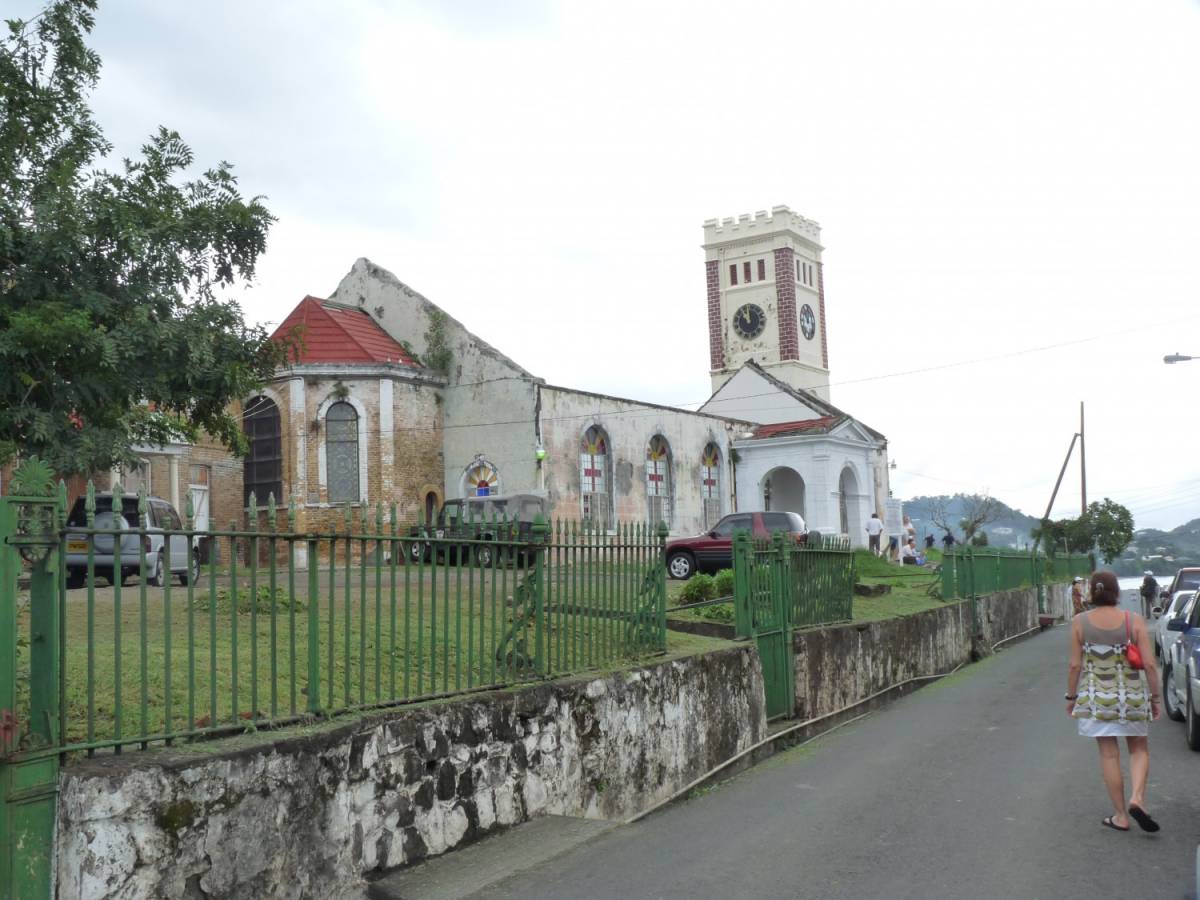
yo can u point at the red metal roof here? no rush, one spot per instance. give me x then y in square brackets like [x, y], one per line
[337, 334]
[824, 423]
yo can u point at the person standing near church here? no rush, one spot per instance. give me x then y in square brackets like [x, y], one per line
[874, 530]
[910, 530]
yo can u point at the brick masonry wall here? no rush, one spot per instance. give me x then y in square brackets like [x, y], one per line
[821, 296]
[716, 345]
[785, 296]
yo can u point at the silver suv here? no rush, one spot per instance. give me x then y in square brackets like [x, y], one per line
[113, 561]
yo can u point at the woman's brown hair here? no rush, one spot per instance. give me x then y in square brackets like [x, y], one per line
[1106, 591]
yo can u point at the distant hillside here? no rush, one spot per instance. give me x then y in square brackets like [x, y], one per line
[1162, 552]
[1011, 528]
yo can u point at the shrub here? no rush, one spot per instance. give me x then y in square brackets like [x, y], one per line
[699, 587]
[724, 583]
[721, 612]
[282, 600]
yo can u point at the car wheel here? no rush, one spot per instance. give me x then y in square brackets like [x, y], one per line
[681, 566]
[484, 556]
[157, 575]
[1169, 706]
[1191, 727]
[418, 551]
[192, 577]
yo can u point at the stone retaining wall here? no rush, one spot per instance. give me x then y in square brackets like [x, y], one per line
[310, 815]
[840, 665]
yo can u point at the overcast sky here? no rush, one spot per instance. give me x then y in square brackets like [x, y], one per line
[1008, 192]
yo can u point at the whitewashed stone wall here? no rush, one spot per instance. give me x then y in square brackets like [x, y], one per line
[310, 816]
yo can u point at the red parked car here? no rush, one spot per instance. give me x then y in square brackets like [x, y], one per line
[714, 550]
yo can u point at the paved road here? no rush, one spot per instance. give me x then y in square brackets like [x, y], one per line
[977, 786]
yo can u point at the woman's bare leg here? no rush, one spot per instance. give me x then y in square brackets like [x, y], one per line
[1110, 768]
[1139, 769]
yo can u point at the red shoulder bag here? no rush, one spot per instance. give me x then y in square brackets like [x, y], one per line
[1132, 654]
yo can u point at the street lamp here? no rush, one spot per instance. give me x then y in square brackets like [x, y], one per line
[1175, 358]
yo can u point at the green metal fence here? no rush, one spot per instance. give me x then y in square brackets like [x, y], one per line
[293, 625]
[821, 582]
[972, 571]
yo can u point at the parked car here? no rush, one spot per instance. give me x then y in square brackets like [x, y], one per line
[1186, 579]
[1179, 608]
[713, 550]
[504, 518]
[117, 558]
[1181, 676]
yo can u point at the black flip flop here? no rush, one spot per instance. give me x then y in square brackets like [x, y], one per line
[1143, 819]
[1107, 822]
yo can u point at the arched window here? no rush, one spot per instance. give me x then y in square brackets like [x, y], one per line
[710, 486]
[847, 492]
[658, 480]
[481, 479]
[595, 477]
[262, 470]
[341, 453]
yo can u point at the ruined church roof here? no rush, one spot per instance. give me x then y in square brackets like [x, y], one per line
[803, 426]
[333, 333]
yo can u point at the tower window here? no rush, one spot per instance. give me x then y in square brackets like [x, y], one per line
[798, 269]
[733, 274]
[746, 271]
[762, 270]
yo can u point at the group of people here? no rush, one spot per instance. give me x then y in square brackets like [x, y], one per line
[902, 548]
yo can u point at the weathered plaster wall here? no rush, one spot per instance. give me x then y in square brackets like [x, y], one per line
[310, 816]
[566, 416]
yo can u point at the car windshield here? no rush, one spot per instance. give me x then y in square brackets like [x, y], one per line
[1188, 581]
[1181, 600]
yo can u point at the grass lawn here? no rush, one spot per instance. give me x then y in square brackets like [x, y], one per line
[160, 664]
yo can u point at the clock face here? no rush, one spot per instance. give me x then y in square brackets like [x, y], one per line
[808, 321]
[749, 320]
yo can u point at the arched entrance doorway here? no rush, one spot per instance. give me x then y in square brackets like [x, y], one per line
[783, 490]
[848, 503]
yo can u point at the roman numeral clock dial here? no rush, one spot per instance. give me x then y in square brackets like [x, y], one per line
[749, 321]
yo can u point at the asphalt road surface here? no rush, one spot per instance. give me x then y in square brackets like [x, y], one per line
[977, 786]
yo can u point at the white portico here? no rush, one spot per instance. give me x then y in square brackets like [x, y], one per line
[805, 456]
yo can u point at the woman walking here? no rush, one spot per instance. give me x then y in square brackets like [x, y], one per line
[1111, 699]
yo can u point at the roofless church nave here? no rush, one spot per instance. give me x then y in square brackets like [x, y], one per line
[393, 400]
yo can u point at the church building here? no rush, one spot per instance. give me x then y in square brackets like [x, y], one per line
[390, 399]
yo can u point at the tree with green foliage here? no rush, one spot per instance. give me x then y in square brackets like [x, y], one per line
[113, 331]
[1107, 525]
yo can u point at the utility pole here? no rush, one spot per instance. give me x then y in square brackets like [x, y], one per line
[1082, 463]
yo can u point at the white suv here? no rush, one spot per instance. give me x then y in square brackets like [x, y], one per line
[115, 557]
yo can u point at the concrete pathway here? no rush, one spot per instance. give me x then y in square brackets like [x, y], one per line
[977, 786]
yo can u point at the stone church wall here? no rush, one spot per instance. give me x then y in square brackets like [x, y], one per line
[567, 414]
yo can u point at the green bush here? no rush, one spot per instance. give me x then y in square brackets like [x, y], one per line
[724, 583]
[282, 601]
[721, 612]
[699, 587]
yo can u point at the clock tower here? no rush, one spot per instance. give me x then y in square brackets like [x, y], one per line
[766, 299]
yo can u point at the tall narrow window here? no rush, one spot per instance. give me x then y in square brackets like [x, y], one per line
[797, 270]
[710, 486]
[594, 478]
[658, 479]
[341, 453]
[733, 274]
[262, 470]
[762, 270]
[746, 271]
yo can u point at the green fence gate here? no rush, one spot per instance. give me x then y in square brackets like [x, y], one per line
[779, 585]
[30, 702]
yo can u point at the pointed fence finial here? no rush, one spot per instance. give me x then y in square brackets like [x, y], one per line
[89, 504]
[271, 520]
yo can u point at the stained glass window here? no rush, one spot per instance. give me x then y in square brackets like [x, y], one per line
[262, 470]
[482, 480]
[710, 485]
[594, 479]
[658, 479]
[341, 453]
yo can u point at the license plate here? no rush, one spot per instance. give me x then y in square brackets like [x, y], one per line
[77, 546]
